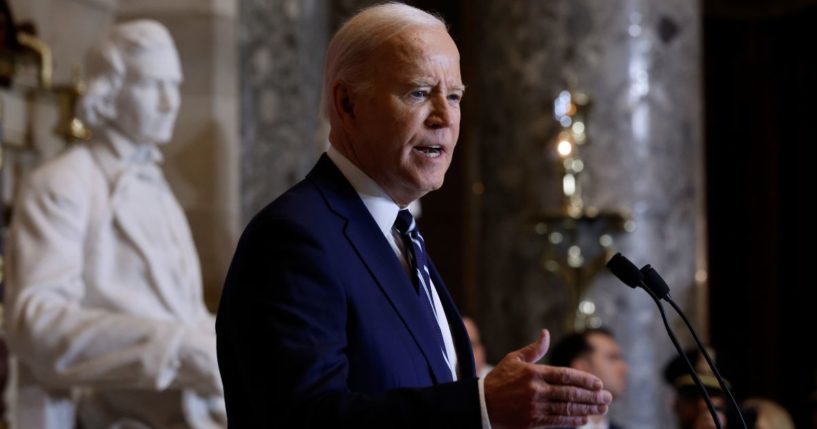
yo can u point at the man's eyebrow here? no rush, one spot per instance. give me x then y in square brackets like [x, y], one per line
[421, 82]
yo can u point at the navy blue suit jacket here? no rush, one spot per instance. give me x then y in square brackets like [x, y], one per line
[320, 326]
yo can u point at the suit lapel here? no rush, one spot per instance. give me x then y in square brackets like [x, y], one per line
[126, 214]
[380, 260]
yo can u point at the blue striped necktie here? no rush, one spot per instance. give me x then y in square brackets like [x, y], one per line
[418, 265]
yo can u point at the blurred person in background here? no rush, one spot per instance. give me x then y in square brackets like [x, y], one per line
[689, 405]
[597, 352]
[761, 413]
[482, 366]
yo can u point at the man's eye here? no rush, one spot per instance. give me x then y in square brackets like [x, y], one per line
[419, 94]
[146, 84]
[455, 97]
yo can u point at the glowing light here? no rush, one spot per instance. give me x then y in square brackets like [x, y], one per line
[555, 237]
[551, 265]
[561, 106]
[569, 184]
[575, 262]
[565, 121]
[578, 127]
[587, 307]
[564, 147]
[605, 240]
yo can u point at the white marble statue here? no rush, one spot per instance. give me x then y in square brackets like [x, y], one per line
[104, 302]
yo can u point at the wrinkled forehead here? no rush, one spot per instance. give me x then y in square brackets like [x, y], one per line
[419, 54]
[156, 62]
[422, 42]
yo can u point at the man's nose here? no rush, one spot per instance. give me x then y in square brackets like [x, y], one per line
[168, 97]
[441, 115]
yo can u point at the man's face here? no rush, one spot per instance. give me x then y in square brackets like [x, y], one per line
[693, 413]
[607, 363]
[146, 108]
[148, 99]
[405, 123]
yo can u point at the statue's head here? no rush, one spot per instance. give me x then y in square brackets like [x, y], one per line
[133, 78]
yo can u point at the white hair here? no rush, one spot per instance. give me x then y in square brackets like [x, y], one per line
[359, 36]
[108, 62]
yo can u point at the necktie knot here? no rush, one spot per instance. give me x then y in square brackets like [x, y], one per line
[405, 222]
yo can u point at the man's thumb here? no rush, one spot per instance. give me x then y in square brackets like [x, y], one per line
[536, 350]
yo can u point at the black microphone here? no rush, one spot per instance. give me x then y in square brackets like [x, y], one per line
[654, 282]
[629, 274]
[658, 286]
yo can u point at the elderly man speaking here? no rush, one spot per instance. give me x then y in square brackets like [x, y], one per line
[332, 314]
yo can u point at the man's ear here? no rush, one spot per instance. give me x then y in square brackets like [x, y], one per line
[101, 95]
[346, 105]
[106, 107]
[343, 103]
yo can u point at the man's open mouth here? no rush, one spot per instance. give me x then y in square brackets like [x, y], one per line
[432, 151]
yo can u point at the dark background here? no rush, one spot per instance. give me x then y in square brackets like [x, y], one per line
[761, 132]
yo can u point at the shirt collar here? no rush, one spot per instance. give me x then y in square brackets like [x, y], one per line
[116, 154]
[382, 208]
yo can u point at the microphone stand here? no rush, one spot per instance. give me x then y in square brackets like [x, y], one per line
[630, 275]
[657, 286]
[692, 372]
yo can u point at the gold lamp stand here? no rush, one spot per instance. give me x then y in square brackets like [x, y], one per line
[578, 238]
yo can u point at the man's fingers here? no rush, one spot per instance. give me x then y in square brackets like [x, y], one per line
[573, 394]
[521, 393]
[536, 350]
[571, 409]
[562, 421]
[570, 377]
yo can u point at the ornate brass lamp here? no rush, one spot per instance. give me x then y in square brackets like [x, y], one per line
[19, 48]
[578, 238]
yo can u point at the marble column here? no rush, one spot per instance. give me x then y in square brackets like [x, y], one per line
[639, 60]
[282, 45]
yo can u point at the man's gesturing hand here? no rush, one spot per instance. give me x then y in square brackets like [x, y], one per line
[521, 394]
